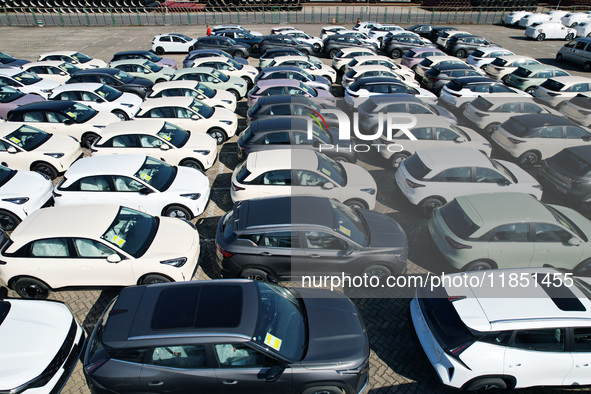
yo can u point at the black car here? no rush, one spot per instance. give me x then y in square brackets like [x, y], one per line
[243, 37]
[436, 31]
[228, 336]
[281, 42]
[285, 105]
[225, 44]
[290, 237]
[438, 76]
[115, 78]
[462, 46]
[139, 54]
[188, 60]
[568, 175]
[333, 44]
[424, 30]
[9, 61]
[397, 45]
[280, 129]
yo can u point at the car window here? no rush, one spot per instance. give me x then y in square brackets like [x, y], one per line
[240, 356]
[582, 339]
[516, 232]
[123, 141]
[546, 232]
[52, 247]
[163, 112]
[442, 134]
[69, 96]
[34, 116]
[179, 356]
[530, 108]
[459, 174]
[309, 178]
[322, 240]
[379, 88]
[500, 89]
[543, 74]
[280, 239]
[400, 108]
[480, 88]
[279, 138]
[165, 39]
[580, 45]
[545, 340]
[282, 109]
[149, 141]
[127, 184]
[579, 87]
[55, 117]
[98, 183]
[551, 132]
[277, 177]
[91, 249]
[575, 132]
[486, 175]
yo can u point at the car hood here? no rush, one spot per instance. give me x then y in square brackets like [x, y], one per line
[141, 82]
[167, 62]
[384, 232]
[173, 235]
[25, 183]
[358, 176]
[59, 144]
[336, 332]
[30, 338]
[45, 84]
[130, 98]
[103, 119]
[201, 141]
[189, 180]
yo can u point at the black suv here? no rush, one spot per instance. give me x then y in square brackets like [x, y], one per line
[188, 61]
[333, 44]
[117, 79]
[285, 42]
[287, 237]
[464, 45]
[225, 44]
[228, 336]
[242, 37]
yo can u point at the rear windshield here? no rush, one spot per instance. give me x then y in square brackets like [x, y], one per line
[552, 85]
[481, 104]
[514, 127]
[572, 163]
[477, 53]
[499, 62]
[415, 167]
[582, 101]
[410, 53]
[521, 72]
[426, 63]
[368, 106]
[455, 86]
[350, 73]
[246, 136]
[457, 220]
[354, 87]
[243, 173]
[227, 230]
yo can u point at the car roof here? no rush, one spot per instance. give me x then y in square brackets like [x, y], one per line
[281, 68]
[133, 52]
[371, 67]
[495, 100]
[130, 61]
[67, 53]
[10, 71]
[212, 59]
[192, 70]
[284, 98]
[375, 80]
[539, 67]
[355, 49]
[454, 66]
[581, 151]
[515, 57]
[570, 79]
[426, 49]
[44, 63]
[441, 158]
[470, 80]
[103, 70]
[177, 101]
[539, 120]
[281, 159]
[394, 98]
[493, 49]
[49, 105]
[179, 83]
[143, 126]
[277, 82]
[87, 86]
[112, 164]
[272, 124]
[279, 59]
[374, 57]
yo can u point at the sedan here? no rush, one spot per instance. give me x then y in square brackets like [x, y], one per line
[78, 59]
[26, 82]
[173, 42]
[198, 90]
[135, 181]
[213, 79]
[11, 98]
[550, 30]
[54, 70]
[275, 87]
[144, 69]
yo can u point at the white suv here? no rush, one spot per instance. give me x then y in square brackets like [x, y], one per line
[487, 332]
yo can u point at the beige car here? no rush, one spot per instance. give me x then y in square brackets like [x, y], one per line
[211, 97]
[78, 59]
[555, 90]
[228, 66]
[375, 71]
[505, 65]
[578, 109]
[159, 139]
[318, 69]
[431, 61]
[347, 54]
[380, 60]
[55, 70]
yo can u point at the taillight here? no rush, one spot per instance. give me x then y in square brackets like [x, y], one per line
[412, 184]
[553, 94]
[353, 95]
[94, 366]
[515, 141]
[433, 79]
[456, 245]
[453, 94]
[575, 180]
[457, 350]
[223, 252]
[480, 114]
[236, 188]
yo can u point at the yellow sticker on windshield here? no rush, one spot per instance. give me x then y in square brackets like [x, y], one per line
[72, 114]
[166, 137]
[18, 78]
[326, 171]
[101, 93]
[145, 176]
[117, 76]
[200, 91]
[117, 240]
[344, 230]
[273, 341]
[15, 140]
[316, 133]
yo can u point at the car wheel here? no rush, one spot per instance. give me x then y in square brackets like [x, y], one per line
[356, 203]
[317, 48]
[45, 169]
[248, 82]
[587, 67]
[569, 36]
[255, 274]
[541, 37]
[504, 78]
[159, 51]
[255, 48]
[487, 384]
[379, 271]
[88, 139]
[120, 114]
[530, 90]
[235, 93]
[155, 278]
[490, 129]
[342, 159]
[323, 390]
[8, 220]
[529, 159]
[218, 135]
[558, 57]
[461, 53]
[477, 265]
[31, 288]
[396, 159]
[333, 53]
[192, 163]
[429, 204]
[160, 80]
[177, 211]
[396, 54]
[238, 54]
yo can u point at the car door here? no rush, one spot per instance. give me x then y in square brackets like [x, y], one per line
[580, 374]
[551, 247]
[132, 193]
[274, 183]
[491, 181]
[454, 182]
[96, 189]
[327, 254]
[575, 136]
[281, 251]
[155, 147]
[53, 261]
[307, 182]
[548, 140]
[511, 245]
[178, 44]
[17, 158]
[95, 270]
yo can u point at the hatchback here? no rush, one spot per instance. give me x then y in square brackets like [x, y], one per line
[502, 66]
[275, 87]
[143, 68]
[312, 67]
[429, 62]
[550, 30]
[210, 96]
[213, 79]
[462, 46]
[414, 56]
[379, 60]
[27, 82]
[375, 71]
[225, 44]
[294, 72]
[397, 45]
[328, 31]
[343, 57]
[114, 78]
[278, 41]
[10, 98]
[513, 18]
[172, 42]
[438, 76]
[480, 57]
[188, 60]
[78, 59]
[556, 90]
[242, 37]
[460, 92]
[529, 77]
[54, 70]
[148, 55]
[578, 109]
[267, 57]
[229, 67]
[359, 91]
[304, 37]
[335, 43]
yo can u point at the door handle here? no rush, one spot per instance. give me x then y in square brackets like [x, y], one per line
[514, 365]
[314, 256]
[229, 381]
[156, 383]
[582, 365]
[266, 254]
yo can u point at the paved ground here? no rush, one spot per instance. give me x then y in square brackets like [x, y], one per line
[397, 364]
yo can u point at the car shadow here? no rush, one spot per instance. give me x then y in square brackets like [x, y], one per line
[98, 308]
[228, 156]
[220, 193]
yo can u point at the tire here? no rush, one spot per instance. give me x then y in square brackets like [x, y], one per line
[478, 265]
[323, 390]
[255, 48]
[343, 159]
[356, 203]
[120, 114]
[377, 270]
[398, 158]
[490, 129]
[487, 384]
[569, 36]
[45, 169]
[317, 47]
[587, 67]
[238, 54]
[249, 83]
[559, 56]
[88, 139]
[589, 35]
[160, 80]
[504, 78]
[192, 163]
[541, 37]
[155, 278]
[583, 269]
[461, 53]
[159, 51]
[530, 90]
[235, 93]
[8, 220]
[255, 274]
[31, 288]
[218, 135]
[177, 211]
[396, 54]
[332, 53]
[429, 204]
[528, 159]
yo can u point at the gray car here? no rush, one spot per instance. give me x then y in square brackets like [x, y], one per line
[439, 76]
[293, 72]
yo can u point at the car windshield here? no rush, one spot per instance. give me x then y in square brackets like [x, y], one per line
[80, 113]
[174, 134]
[564, 221]
[202, 109]
[182, 36]
[4, 58]
[123, 76]
[308, 90]
[8, 94]
[350, 222]
[152, 57]
[499, 62]
[5, 175]
[235, 64]
[331, 169]
[457, 220]
[132, 231]
[108, 93]
[220, 76]
[204, 90]
[281, 324]
[81, 58]
[152, 67]
[27, 137]
[320, 133]
[157, 174]
[27, 78]
[69, 67]
[502, 169]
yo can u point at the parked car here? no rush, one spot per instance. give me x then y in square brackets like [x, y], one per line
[583, 29]
[574, 18]
[148, 55]
[193, 115]
[532, 138]
[576, 52]
[398, 45]
[262, 350]
[116, 246]
[23, 147]
[287, 105]
[327, 31]
[335, 239]
[424, 30]
[333, 45]
[10, 61]
[528, 20]
[375, 71]
[446, 35]
[461, 91]
[550, 30]
[243, 37]
[528, 78]
[462, 46]
[295, 73]
[53, 70]
[235, 27]
[578, 109]
[379, 60]
[555, 91]
[173, 42]
[281, 29]
[99, 97]
[414, 56]
[513, 18]
[144, 69]
[229, 67]
[160, 140]
[78, 59]
[302, 171]
[135, 181]
[225, 44]
[10, 98]
[306, 64]
[114, 78]
[213, 79]
[437, 77]
[427, 63]
[430, 178]
[480, 57]
[198, 90]
[502, 66]
[365, 27]
[360, 90]
[275, 87]
[188, 60]
[301, 36]
[280, 42]
[268, 56]
[65, 118]
[26, 82]
[361, 36]
[379, 31]
[436, 32]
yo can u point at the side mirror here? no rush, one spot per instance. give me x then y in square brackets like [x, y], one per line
[328, 186]
[194, 117]
[504, 182]
[12, 149]
[68, 122]
[274, 373]
[459, 140]
[574, 242]
[63, 73]
[164, 147]
[113, 258]
[146, 71]
[144, 191]
[216, 81]
[99, 100]
[231, 69]
[316, 144]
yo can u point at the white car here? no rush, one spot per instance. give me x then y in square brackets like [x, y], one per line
[578, 109]
[379, 31]
[431, 178]
[480, 57]
[360, 36]
[26, 82]
[193, 115]
[172, 42]
[158, 139]
[22, 193]
[347, 54]
[327, 31]
[211, 97]
[235, 27]
[311, 67]
[23, 147]
[555, 90]
[512, 18]
[573, 19]
[78, 59]
[528, 20]
[379, 60]
[144, 68]
[358, 92]
[461, 91]
[556, 16]
[550, 31]
[54, 70]
[502, 66]
[365, 27]
[44, 328]
[305, 37]
[135, 181]
[114, 246]
[99, 97]
[213, 79]
[229, 67]
[269, 173]
[443, 37]
[375, 71]
[583, 29]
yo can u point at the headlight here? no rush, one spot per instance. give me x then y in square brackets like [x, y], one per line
[127, 105]
[54, 155]
[202, 152]
[16, 200]
[228, 122]
[175, 262]
[369, 190]
[240, 85]
[99, 127]
[192, 196]
[538, 187]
